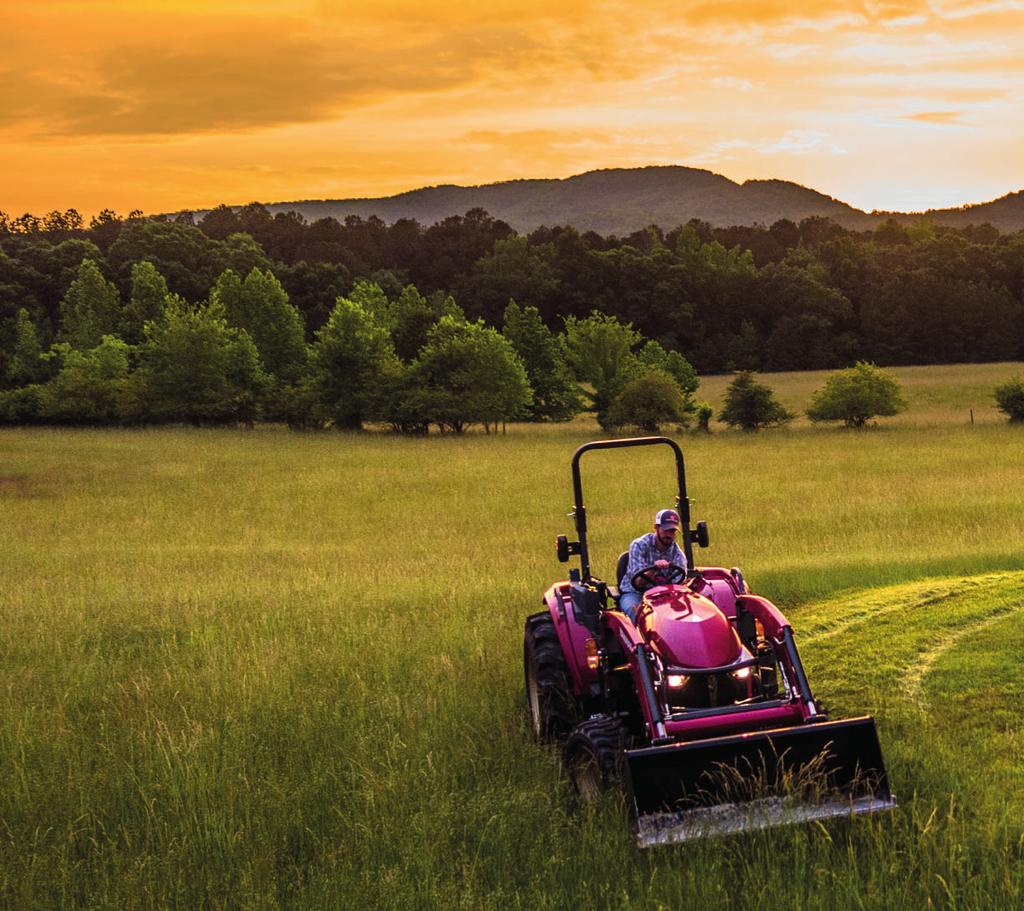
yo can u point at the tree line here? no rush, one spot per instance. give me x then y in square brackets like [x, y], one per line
[241, 354]
[790, 296]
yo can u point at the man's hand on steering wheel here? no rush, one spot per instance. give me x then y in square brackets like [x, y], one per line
[660, 573]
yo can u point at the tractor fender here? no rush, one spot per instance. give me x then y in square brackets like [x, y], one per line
[762, 609]
[572, 636]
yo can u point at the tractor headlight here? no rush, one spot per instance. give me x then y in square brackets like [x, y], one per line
[742, 673]
[677, 681]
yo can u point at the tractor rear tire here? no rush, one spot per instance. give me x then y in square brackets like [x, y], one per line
[549, 700]
[593, 757]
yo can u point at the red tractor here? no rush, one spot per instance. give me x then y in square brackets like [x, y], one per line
[701, 708]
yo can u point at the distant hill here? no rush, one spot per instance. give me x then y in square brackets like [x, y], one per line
[1005, 213]
[622, 200]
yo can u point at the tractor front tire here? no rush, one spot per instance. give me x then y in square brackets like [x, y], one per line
[549, 700]
[593, 757]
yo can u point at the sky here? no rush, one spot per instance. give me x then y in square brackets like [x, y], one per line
[162, 105]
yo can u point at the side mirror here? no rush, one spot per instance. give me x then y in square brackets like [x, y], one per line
[562, 548]
[700, 534]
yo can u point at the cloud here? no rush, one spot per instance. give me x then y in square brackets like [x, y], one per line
[257, 76]
[732, 82]
[938, 117]
[958, 9]
[792, 142]
[263, 98]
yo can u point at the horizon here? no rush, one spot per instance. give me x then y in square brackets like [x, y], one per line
[163, 105]
[639, 167]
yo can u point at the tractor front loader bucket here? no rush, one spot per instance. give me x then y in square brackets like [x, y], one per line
[742, 782]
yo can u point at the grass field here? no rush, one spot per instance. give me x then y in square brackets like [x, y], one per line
[264, 669]
[937, 396]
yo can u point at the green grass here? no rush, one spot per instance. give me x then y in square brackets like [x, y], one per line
[935, 395]
[263, 669]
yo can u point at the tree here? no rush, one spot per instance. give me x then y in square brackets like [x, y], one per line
[469, 373]
[349, 358]
[400, 399]
[856, 395]
[260, 306]
[90, 309]
[184, 255]
[654, 357]
[752, 405]
[221, 222]
[243, 254]
[556, 396]
[413, 316]
[375, 301]
[1010, 399]
[196, 367]
[514, 268]
[149, 292]
[744, 348]
[313, 288]
[26, 364]
[648, 401]
[601, 352]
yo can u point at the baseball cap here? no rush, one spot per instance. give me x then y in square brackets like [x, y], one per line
[667, 518]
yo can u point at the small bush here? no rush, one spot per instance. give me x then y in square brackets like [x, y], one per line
[1010, 399]
[856, 395]
[704, 414]
[652, 399]
[752, 405]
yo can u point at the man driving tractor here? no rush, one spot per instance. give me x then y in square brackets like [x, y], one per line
[657, 549]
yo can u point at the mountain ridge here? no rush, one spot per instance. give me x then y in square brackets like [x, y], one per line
[622, 200]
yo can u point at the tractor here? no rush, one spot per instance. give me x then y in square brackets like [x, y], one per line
[700, 710]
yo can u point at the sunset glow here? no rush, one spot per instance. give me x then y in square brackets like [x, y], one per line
[164, 105]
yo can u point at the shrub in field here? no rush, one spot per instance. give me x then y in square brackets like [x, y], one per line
[1010, 398]
[704, 414]
[752, 405]
[650, 400]
[856, 395]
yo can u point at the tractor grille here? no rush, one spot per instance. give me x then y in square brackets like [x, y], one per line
[705, 691]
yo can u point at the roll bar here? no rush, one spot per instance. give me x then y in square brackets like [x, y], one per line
[580, 512]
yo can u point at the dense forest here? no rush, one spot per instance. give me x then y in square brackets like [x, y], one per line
[784, 297]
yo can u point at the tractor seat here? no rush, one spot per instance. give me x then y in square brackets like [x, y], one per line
[620, 571]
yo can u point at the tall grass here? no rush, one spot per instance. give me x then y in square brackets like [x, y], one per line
[262, 670]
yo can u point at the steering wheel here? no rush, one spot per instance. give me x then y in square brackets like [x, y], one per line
[650, 576]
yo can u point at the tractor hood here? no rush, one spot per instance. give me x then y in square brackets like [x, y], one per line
[686, 629]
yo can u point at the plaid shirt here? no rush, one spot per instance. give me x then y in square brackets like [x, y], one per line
[644, 552]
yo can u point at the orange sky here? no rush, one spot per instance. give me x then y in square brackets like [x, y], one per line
[163, 105]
